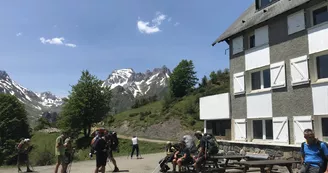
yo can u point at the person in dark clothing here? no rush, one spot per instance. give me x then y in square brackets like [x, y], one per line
[101, 153]
[170, 152]
[110, 141]
[181, 157]
[200, 158]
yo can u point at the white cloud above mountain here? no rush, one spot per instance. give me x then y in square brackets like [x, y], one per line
[152, 27]
[56, 41]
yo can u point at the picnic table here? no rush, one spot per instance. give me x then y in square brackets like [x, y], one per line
[269, 163]
[228, 158]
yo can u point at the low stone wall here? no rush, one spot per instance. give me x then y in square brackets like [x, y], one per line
[278, 152]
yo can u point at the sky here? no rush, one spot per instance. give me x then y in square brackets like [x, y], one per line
[45, 45]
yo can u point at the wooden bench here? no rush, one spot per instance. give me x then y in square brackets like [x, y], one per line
[269, 163]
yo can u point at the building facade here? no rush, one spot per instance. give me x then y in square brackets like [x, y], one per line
[278, 75]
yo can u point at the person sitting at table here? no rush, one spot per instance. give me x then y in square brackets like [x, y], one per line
[181, 157]
[314, 154]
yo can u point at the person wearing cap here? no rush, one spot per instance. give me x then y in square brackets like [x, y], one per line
[60, 151]
[23, 150]
[68, 153]
[181, 157]
[170, 151]
[200, 158]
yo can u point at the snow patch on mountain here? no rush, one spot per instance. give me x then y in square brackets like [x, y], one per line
[37, 102]
[139, 84]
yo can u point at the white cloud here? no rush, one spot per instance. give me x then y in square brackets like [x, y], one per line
[19, 34]
[176, 24]
[169, 19]
[56, 41]
[145, 28]
[70, 45]
[153, 27]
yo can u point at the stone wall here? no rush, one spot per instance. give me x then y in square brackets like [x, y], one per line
[278, 152]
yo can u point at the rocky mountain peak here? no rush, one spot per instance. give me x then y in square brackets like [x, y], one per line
[139, 83]
[3, 75]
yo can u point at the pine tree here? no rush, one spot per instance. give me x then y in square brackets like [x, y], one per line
[213, 77]
[204, 81]
[183, 79]
[87, 104]
[13, 126]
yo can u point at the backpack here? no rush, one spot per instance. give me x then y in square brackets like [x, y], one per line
[322, 154]
[210, 144]
[94, 142]
[114, 141]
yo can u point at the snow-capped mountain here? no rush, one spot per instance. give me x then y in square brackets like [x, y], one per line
[139, 84]
[50, 100]
[35, 103]
[127, 85]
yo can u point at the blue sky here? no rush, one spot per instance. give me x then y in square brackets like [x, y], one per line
[46, 44]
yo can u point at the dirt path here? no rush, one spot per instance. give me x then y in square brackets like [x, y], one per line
[142, 139]
[145, 165]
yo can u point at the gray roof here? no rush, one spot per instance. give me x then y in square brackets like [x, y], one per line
[253, 17]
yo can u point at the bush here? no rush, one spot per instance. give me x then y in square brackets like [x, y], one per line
[133, 114]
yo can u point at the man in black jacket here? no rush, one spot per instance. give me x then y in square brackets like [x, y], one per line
[101, 153]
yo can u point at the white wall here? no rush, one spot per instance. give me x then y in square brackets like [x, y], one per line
[318, 39]
[257, 57]
[259, 105]
[215, 107]
[320, 98]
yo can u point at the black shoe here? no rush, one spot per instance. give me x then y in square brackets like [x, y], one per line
[116, 169]
[29, 170]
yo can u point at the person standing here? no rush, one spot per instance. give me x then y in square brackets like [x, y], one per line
[100, 146]
[23, 150]
[60, 151]
[68, 154]
[135, 146]
[314, 154]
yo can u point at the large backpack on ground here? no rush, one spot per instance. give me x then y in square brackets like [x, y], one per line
[211, 144]
[321, 152]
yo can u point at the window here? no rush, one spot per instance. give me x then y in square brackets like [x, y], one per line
[322, 64]
[262, 129]
[262, 3]
[320, 15]
[261, 79]
[219, 127]
[324, 122]
[252, 41]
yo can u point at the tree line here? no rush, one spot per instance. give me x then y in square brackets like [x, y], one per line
[88, 103]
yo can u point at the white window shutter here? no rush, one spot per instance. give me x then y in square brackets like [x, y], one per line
[280, 129]
[278, 75]
[300, 123]
[237, 45]
[296, 22]
[261, 36]
[239, 83]
[299, 70]
[240, 129]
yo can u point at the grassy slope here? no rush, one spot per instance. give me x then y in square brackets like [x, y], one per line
[186, 109]
[183, 110]
[44, 149]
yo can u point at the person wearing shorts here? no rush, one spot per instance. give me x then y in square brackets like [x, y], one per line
[60, 151]
[181, 157]
[200, 158]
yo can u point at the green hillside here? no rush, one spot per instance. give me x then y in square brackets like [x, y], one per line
[185, 109]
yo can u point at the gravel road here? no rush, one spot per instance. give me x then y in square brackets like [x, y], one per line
[145, 165]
